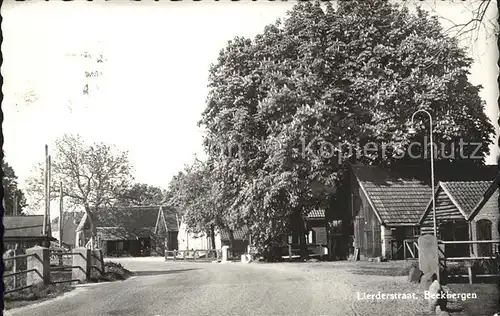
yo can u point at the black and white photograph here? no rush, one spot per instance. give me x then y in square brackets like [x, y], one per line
[252, 157]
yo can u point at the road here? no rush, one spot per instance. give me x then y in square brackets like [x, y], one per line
[167, 288]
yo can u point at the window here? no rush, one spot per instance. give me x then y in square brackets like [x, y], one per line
[119, 245]
[483, 232]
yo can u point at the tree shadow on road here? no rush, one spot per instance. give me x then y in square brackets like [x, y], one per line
[162, 272]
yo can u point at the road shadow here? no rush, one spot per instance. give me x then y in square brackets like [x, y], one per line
[377, 272]
[162, 272]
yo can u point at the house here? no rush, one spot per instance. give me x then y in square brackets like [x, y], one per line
[316, 233]
[134, 231]
[386, 204]
[202, 241]
[25, 231]
[465, 210]
[69, 225]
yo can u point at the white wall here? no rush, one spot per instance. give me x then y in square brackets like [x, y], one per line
[189, 241]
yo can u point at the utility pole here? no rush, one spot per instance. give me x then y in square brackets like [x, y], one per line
[45, 185]
[48, 198]
[14, 207]
[60, 214]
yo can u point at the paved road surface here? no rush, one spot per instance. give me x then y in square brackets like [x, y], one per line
[166, 288]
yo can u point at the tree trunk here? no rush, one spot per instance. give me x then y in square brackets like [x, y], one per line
[231, 242]
[93, 229]
[299, 224]
[212, 236]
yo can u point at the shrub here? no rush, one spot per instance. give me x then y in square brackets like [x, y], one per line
[112, 271]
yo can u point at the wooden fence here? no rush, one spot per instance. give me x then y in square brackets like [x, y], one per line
[480, 264]
[201, 255]
[194, 255]
[57, 267]
[410, 248]
[61, 266]
[19, 272]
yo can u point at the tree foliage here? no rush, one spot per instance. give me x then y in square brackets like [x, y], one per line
[285, 108]
[10, 186]
[142, 194]
[92, 176]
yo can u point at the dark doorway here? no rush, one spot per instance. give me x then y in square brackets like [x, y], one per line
[483, 232]
[455, 231]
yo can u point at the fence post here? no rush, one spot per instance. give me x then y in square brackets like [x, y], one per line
[40, 261]
[14, 270]
[97, 260]
[81, 264]
[224, 253]
[290, 252]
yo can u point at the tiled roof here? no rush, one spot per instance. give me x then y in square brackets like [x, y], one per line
[170, 218]
[397, 200]
[466, 194]
[135, 217]
[120, 233]
[491, 193]
[239, 234]
[14, 226]
[316, 214]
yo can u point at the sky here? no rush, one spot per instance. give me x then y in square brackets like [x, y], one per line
[153, 86]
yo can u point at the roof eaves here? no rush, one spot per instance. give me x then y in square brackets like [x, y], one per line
[428, 208]
[370, 202]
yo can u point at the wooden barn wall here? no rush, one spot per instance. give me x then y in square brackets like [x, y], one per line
[446, 211]
[367, 234]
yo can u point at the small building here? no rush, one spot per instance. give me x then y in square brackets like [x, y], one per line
[26, 231]
[69, 225]
[465, 210]
[386, 208]
[133, 231]
[485, 220]
[202, 241]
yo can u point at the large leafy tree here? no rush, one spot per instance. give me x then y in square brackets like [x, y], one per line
[200, 198]
[93, 176]
[140, 194]
[10, 186]
[286, 107]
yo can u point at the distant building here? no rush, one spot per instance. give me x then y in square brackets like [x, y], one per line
[70, 223]
[202, 241]
[132, 231]
[25, 231]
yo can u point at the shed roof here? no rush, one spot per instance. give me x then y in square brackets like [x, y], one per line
[394, 199]
[316, 213]
[131, 218]
[239, 234]
[23, 226]
[171, 220]
[128, 217]
[120, 233]
[465, 195]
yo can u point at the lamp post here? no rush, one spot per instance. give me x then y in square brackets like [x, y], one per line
[412, 130]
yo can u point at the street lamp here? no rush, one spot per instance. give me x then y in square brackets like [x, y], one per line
[412, 130]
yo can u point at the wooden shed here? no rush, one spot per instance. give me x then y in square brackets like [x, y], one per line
[462, 214]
